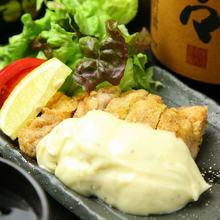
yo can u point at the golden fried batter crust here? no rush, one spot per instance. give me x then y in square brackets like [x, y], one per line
[59, 108]
[147, 110]
[135, 106]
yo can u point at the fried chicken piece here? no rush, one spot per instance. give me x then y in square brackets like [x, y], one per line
[197, 115]
[188, 123]
[59, 108]
[135, 106]
[148, 110]
[121, 106]
[173, 120]
[97, 100]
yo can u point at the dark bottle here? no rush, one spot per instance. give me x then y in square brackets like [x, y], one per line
[186, 40]
[148, 16]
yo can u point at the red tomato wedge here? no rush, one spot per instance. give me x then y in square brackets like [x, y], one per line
[12, 74]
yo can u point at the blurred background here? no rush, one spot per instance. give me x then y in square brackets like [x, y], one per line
[10, 14]
[11, 11]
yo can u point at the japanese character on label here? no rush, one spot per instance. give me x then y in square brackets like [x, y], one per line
[207, 25]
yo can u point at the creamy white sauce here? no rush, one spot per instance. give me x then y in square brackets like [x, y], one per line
[130, 166]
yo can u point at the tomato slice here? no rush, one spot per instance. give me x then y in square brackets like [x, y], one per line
[12, 74]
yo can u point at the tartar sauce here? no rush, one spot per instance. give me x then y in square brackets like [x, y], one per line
[130, 166]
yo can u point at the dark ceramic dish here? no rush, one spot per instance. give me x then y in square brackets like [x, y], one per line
[21, 197]
[174, 93]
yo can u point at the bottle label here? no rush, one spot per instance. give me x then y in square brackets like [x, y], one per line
[186, 37]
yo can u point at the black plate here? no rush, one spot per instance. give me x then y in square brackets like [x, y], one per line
[23, 200]
[174, 93]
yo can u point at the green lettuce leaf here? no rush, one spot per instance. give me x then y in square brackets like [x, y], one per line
[106, 63]
[59, 43]
[138, 72]
[96, 72]
[91, 15]
[70, 87]
[82, 17]
[89, 46]
[138, 75]
[78, 33]
[39, 4]
[20, 45]
[128, 82]
[139, 42]
[121, 11]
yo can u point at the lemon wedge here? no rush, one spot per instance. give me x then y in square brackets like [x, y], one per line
[31, 94]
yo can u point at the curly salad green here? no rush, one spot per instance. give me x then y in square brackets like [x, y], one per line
[91, 38]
